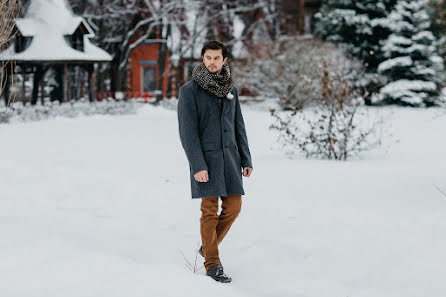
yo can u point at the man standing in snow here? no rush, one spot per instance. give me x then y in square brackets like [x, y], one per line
[212, 133]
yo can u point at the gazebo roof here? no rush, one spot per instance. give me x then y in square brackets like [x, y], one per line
[48, 22]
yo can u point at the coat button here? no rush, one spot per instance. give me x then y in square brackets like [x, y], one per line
[225, 130]
[226, 146]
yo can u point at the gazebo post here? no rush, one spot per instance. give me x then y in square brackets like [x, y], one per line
[91, 82]
[7, 81]
[58, 94]
[24, 76]
[65, 82]
[41, 86]
[38, 75]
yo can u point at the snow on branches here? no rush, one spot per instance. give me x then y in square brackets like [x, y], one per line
[358, 24]
[412, 71]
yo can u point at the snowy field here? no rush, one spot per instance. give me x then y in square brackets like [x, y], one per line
[100, 206]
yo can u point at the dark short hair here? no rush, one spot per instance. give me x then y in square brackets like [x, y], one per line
[214, 45]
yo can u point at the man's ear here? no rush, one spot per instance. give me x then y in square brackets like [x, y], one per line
[225, 60]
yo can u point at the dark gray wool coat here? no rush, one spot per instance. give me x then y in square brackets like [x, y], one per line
[214, 139]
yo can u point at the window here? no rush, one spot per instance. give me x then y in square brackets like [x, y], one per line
[78, 43]
[77, 39]
[21, 42]
[148, 79]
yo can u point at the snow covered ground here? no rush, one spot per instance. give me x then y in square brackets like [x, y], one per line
[100, 206]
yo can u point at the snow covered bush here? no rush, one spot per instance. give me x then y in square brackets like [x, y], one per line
[18, 112]
[413, 70]
[335, 127]
[289, 69]
[169, 103]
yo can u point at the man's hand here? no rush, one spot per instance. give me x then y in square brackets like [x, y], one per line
[202, 176]
[247, 171]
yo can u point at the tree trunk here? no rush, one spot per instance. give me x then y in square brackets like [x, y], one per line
[116, 77]
[301, 17]
[162, 64]
[169, 82]
[179, 77]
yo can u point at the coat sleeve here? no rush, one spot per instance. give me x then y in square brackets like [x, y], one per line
[240, 135]
[188, 129]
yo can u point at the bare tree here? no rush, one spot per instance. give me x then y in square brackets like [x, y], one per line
[121, 26]
[334, 127]
[201, 21]
[179, 27]
[111, 20]
[8, 11]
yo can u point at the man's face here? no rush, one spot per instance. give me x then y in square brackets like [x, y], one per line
[213, 60]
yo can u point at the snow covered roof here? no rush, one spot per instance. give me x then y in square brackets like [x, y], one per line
[26, 27]
[48, 22]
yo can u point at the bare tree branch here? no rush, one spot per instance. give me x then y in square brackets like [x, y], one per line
[439, 190]
[9, 10]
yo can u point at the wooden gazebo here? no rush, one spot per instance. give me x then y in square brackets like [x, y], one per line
[51, 36]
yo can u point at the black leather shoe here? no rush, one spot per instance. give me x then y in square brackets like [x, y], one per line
[200, 251]
[217, 273]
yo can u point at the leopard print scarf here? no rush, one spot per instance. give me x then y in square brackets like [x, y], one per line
[219, 85]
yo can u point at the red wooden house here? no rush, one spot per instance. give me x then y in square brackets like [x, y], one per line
[144, 72]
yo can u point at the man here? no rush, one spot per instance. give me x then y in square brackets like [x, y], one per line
[212, 133]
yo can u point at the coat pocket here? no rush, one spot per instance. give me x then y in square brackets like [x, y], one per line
[207, 147]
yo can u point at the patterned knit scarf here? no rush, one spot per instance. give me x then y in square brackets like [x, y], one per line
[219, 85]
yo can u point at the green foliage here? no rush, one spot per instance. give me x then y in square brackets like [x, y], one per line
[358, 24]
[413, 68]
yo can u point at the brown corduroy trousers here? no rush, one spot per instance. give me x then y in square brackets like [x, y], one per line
[214, 227]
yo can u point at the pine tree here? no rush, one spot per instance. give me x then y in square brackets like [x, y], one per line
[413, 68]
[358, 24]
